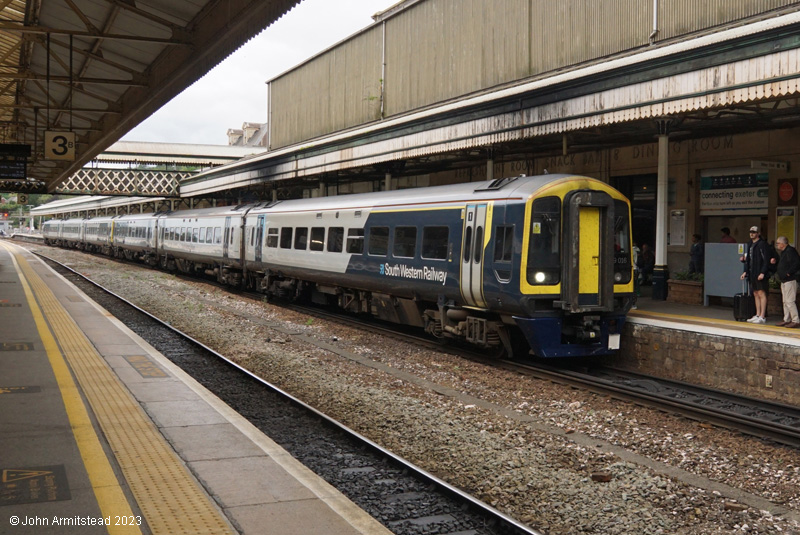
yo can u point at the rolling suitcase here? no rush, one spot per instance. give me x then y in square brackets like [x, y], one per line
[744, 304]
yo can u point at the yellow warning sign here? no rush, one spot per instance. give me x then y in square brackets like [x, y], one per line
[11, 475]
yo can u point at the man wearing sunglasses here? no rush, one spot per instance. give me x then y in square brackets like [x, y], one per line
[756, 270]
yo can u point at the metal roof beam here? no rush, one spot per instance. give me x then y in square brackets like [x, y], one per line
[66, 79]
[11, 26]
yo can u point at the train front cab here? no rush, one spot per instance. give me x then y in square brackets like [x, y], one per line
[576, 269]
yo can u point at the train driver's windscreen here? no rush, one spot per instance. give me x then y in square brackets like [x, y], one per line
[544, 250]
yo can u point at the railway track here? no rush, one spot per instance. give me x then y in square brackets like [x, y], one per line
[405, 498]
[759, 418]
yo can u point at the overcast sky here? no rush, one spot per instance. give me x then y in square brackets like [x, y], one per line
[235, 92]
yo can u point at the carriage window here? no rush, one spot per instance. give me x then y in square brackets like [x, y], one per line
[355, 240]
[286, 237]
[544, 251]
[194, 235]
[335, 239]
[623, 263]
[217, 234]
[503, 243]
[209, 235]
[434, 242]
[202, 236]
[272, 237]
[301, 238]
[317, 238]
[405, 242]
[378, 241]
[252, 236]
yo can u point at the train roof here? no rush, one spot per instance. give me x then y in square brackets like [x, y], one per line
[520, 187]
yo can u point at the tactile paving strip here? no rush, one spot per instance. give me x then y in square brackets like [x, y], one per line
[170, 498]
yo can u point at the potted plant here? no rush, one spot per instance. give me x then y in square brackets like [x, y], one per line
[686, 288]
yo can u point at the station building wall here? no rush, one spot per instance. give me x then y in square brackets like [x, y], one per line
[437, 50]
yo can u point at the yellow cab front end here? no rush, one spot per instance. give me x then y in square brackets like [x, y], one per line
[576, 268]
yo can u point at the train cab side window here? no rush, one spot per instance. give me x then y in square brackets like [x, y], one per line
[544, 246]
[378, 241]
[301, 238]
[434, 242]
[317, 238]
[623, 261]
[335, 239]
[286, 237]
[272, 237]
[405, 242]
[355, 241]
[503, 243]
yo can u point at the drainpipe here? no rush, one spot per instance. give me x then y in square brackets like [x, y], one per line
[655, 22]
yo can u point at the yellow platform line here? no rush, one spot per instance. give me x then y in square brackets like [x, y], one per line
[734, 325]
[170, 498]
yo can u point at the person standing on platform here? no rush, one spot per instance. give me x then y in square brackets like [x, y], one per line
[726, 235]
[788, 269]
[756, 269]
[696, 255]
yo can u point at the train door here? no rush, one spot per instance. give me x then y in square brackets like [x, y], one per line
[227, 237]
[588, 283]
[259, 237]
[472, 246]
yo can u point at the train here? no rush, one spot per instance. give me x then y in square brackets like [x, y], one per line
[524, 265]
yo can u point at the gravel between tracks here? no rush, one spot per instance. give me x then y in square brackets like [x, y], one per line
[531, 467]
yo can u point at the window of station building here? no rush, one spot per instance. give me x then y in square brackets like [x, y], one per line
[317, 238]
[405, 242]
[301, 238]
[435, 241]
[355, 241]
[272, 237]
[503, 243]
[544, 246]
[335, 239]
[378, 241]
[286, 237]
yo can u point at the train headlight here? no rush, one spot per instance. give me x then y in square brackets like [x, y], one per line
[539, 277]
[617, 277]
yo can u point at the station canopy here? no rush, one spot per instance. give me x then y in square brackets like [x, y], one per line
[77, 75]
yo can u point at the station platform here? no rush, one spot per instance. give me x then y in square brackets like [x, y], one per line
[100, 433]
[714, 320]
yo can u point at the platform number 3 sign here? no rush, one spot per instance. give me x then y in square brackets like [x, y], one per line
[59, 145]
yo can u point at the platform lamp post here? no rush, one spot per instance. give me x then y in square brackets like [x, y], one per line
[660, 270]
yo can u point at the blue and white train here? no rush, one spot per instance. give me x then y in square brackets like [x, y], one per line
[543, 259]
